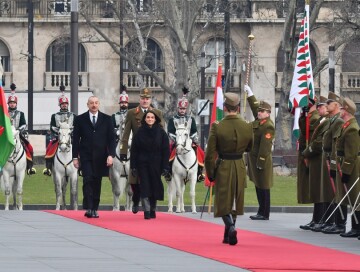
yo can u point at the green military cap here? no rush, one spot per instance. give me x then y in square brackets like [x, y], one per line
[332, 97]
[322, 100]
[145, 93]
[231, 99]
[264, 106]
[349, 106]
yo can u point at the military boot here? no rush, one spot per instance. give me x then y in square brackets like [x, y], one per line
[30, 170]
[232, 233]
[47, 170]
[201, 176]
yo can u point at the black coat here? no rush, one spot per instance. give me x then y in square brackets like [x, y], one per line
[94, 144]
[150, 156]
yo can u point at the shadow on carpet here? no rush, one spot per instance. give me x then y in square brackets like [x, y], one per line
[254, 251]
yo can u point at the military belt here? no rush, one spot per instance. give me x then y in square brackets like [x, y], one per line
[342, 154]
[230, 156]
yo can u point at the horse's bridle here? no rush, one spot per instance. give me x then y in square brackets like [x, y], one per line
[184, 143]
[67, 143]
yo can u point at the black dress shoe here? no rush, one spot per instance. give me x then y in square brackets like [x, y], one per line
[232, 236]
[146, 215]
[152, 214]
[319, 227]
[94, 214]
[308, 226]
[334, 229]
[258, 217]
[88, 214]
[351, 234]
[135, 209]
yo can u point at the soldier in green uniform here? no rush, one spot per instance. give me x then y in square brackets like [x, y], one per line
[348, 162]
[64, 115]
[334, 103]
[224, 162]
[132, 124]
[313, 157]
[119, 117]
[303, 181]
[182, 117]
[260, 158]
[18, 120]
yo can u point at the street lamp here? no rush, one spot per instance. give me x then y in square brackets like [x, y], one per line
[202, 96]
[74, 75]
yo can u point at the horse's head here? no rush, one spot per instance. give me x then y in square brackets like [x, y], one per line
[183, 141]
[65, 137]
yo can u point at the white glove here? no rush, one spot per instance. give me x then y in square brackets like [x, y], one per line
[117, 132]
[248, 90]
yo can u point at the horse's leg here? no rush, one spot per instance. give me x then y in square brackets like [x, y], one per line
[192, 192]
[182, 206]
[74, 190]
[19, 189]
[178, 194]
[64, 183]
[129, 194]
[115, 180]
[170, 195]
[57, 183]
[7, 190]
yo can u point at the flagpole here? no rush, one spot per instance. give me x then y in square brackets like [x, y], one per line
[251, 37]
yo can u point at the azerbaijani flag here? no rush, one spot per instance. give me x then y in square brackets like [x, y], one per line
[302, 86]
[6, 136]
[217, 112]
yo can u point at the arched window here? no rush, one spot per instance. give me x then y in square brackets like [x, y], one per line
[153, 59]
[5, 56]
[214, 53]
[58, 58]
[351, 57]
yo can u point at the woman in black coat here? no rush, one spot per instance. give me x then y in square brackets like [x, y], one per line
[149, 159]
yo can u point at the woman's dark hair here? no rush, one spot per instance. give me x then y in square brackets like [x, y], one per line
[157, 118]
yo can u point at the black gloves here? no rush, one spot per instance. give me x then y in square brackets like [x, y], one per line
[333, 174]
[305, 109]
[123, 157]
[211, 179]
[345, 178]
[134, 172]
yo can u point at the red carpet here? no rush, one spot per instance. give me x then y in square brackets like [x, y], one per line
[255, 251]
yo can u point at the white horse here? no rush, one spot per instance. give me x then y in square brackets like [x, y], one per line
[184, 168]
[119, 176]
[64, 170]
[13, 173]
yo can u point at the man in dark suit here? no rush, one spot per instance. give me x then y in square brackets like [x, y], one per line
[93, 149]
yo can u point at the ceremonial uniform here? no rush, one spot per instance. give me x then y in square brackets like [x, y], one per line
[181, 117]
[224, 163]
[260, 158]
[62, 116]
[18, 121]
[118, 118]
[132, 124]
[348, 163]
[329, 148]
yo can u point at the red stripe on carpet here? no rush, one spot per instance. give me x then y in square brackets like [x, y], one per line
[254, 251]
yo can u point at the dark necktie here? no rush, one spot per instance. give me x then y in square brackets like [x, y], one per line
[94, 120]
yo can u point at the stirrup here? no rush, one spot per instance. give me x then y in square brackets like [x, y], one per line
[31, 171]
[168, 177]
[47, 172]
[201, 178]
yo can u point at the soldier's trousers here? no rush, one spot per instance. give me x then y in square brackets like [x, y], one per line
[136, 194]
[263, 196]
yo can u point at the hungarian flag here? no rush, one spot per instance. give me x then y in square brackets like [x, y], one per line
[302, 87]
[6, 135]
[217, 112]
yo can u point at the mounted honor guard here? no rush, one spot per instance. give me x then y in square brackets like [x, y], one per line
[19, 122]
[182, 117]
[64, 115]
[119, 117]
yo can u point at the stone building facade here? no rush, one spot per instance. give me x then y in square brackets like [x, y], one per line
[99, 66]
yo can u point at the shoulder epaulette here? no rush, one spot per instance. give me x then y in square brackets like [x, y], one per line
[346, 124]
[137, 110]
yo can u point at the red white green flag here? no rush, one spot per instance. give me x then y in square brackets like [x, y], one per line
[6, 134]
[302, 87]
[217, 112]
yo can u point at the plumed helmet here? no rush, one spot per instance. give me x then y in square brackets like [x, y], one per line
[12, 98]
[183, 102]
[62, 88]
[124, 97]
[63, 99]
[13, 86]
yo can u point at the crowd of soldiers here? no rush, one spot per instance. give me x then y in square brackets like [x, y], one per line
[328, 166]
[333, 147]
